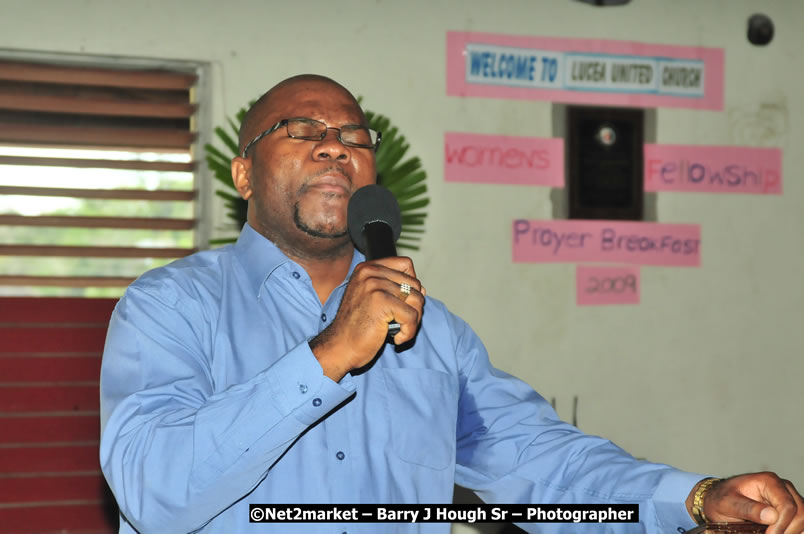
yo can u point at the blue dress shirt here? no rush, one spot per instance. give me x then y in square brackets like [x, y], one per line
[211, 399]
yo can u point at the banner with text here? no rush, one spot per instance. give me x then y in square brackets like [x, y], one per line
[713, 169]
[577, 241]
[584, 71]
[502, 159]
[601, 286]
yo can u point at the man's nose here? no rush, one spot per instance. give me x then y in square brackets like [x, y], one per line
[331, 148]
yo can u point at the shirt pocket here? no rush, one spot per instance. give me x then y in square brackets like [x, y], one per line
[422, 408]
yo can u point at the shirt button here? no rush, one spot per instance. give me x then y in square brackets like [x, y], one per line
[340, 455]
[303, 388]
[324, 317]
[296, 275]
[316, 402]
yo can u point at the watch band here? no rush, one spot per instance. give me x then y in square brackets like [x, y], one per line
[698, 499]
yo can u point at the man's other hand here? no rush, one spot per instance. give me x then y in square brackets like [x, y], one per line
[759, 497]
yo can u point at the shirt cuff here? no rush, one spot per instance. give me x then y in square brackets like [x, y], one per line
[300, 387]
[670, 500]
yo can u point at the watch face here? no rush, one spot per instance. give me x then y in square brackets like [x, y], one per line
[723, 528]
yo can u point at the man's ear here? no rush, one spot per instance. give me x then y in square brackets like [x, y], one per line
[241, 176]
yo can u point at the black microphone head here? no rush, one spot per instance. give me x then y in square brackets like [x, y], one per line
[372, 203]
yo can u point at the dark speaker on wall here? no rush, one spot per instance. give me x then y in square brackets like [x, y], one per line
[604, 160]
[760, 30]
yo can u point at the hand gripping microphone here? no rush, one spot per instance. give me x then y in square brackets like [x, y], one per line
[375, 223]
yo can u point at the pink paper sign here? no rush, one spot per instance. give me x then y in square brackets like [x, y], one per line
[598, 286]
[584, 71]
[578, 241]
[501, 159]
[713, 169]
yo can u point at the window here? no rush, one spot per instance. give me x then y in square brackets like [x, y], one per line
[97, 178]
[605, 163]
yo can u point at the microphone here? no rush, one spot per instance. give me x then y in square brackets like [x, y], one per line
[375, 222]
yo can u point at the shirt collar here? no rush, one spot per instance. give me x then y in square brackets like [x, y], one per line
[260, 257]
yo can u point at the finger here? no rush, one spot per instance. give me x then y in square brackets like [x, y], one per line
[401, 291]
[407, 331]
[409, 315]
[404, 291]
[378, 270]
[778, 495]
[796, 526]
[397, 263]
[737, 499]
[743, 508]
[400, 305]
[402, 264]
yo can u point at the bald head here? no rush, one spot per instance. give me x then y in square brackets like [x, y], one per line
[298, 188]
[273, 105]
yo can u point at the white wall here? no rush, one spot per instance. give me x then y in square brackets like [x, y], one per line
[706, 373]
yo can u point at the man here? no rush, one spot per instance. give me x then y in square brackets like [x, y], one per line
[260, 372]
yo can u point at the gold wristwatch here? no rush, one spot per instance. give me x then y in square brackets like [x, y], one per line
[698, 499]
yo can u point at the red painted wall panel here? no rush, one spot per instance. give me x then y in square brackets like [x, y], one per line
[49, 428]
[50, 355]
[29, 368]
[53, 397]
[64, 519]
[23, 339]
[50, 459]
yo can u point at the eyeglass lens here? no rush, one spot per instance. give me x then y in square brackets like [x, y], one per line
[315, 130]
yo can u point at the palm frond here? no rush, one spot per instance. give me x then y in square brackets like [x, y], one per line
[227, 139]
[403, 177]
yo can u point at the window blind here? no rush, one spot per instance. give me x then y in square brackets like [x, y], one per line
[96, 175]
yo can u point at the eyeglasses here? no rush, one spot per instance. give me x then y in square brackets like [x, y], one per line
[313, 130]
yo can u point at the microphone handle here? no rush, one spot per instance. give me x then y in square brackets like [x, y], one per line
[379, 240]
[380, 244]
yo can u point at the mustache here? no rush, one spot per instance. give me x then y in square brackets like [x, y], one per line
[327, 170]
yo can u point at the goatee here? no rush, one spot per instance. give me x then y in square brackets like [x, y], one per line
[312, 231]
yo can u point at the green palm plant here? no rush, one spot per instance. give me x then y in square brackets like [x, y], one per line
[405, 178]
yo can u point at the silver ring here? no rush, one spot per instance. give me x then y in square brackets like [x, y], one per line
[404, 290]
